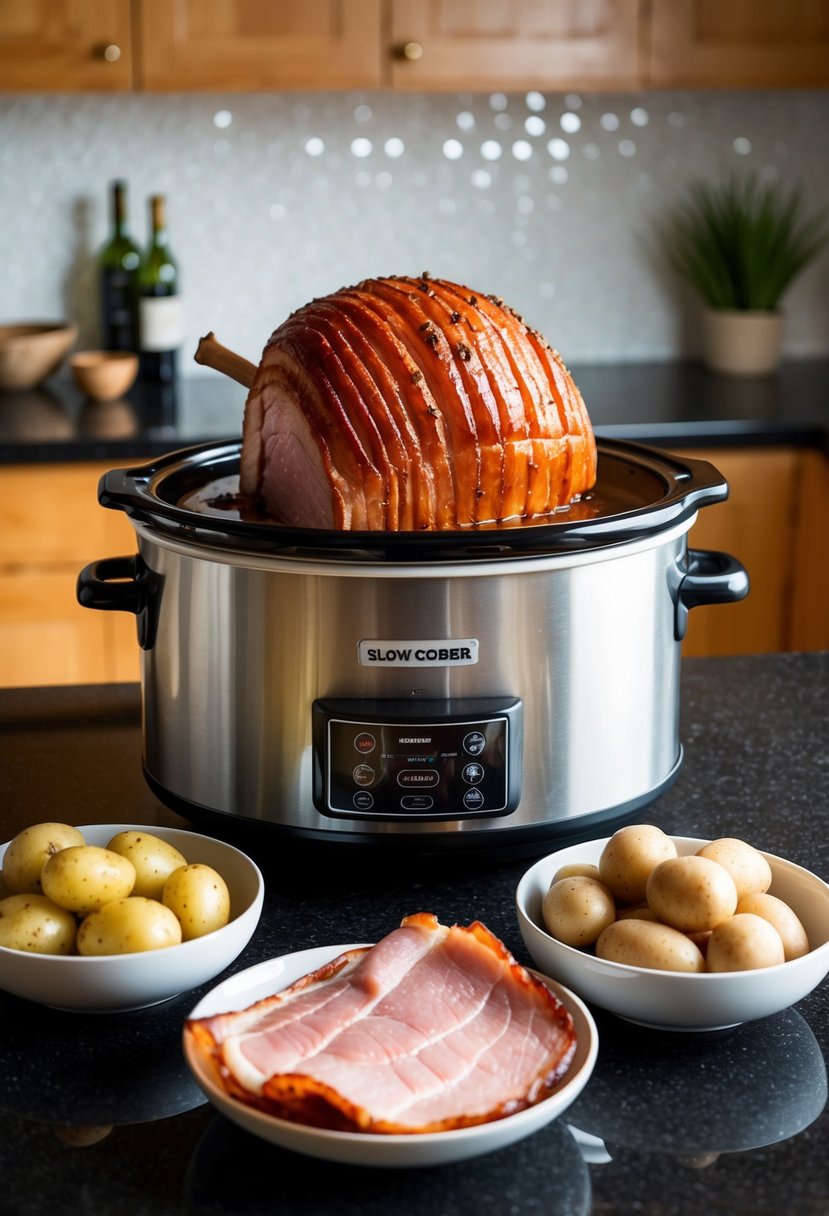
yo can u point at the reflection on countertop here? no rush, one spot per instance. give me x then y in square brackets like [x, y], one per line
[742, 1089]
[56, 423]
[660, 403]
[58, 1068]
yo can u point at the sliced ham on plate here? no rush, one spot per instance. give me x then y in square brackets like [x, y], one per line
[431, 1029]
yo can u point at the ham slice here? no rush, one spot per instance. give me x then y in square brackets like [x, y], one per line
[412, 404]
[433, 1028]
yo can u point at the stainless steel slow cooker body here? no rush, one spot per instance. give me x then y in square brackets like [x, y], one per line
[499, 686]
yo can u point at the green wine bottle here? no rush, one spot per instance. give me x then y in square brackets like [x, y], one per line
[159, 303]
[118, 264]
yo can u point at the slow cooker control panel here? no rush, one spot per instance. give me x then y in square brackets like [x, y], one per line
[455, 759]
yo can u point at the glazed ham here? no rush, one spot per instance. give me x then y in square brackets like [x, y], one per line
[433, 1028]
[408, 404]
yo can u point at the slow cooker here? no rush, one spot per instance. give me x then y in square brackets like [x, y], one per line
[494, 687]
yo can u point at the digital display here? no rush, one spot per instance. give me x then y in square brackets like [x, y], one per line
[418, 768]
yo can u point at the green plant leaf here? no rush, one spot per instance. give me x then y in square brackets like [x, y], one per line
[740, 244]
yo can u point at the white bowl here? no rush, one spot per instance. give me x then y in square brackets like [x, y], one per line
[670, 1000]
[359, 1148]
[116, 982]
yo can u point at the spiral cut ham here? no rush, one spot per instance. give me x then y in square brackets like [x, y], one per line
[431, 1029]
[409, 404]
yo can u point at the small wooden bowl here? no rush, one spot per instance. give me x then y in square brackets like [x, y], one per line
[31, 352]
[104, 375]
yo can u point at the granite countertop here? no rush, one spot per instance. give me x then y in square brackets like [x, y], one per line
[669, 1124]
[665, 404]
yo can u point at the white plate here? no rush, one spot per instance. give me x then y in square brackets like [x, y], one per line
[358, 1148]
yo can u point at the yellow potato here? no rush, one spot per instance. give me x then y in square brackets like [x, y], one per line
[629, 857]
[154, 860]
[576, 869]
[29, 851]
[128, 926]
[29, 921]
[744, 943]
[85, 877]
[644, 943]
[692, 894]
[748, 867]
[576, 910]
[200, 899]
[792, 934]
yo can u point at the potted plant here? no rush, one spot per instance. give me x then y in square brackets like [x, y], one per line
[740, 245]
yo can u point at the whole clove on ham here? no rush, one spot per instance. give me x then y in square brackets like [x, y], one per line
[431, 1029]
[409, 404]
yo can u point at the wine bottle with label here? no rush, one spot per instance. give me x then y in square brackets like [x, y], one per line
[159, 303]
[118, 264]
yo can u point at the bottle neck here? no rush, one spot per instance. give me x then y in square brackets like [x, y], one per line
[119, 209]
[157, 220]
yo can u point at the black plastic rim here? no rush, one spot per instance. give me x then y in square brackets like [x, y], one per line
[665, 490]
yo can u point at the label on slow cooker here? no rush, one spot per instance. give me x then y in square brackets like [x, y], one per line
[437, 652]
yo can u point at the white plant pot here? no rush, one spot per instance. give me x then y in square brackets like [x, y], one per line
[738, 343]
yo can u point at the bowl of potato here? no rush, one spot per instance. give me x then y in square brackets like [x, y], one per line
[111, 917]
[675, 932]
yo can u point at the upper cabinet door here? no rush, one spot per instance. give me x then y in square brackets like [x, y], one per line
[514, 44]
[250, 45]
[739, 43]
[51, 45]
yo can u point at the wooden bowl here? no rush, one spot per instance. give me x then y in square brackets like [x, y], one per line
[29, 353]
[104, 375]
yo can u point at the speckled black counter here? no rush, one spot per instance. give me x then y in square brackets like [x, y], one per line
[724, 1124]
[664, 404]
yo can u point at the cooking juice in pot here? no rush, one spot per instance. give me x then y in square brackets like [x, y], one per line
[222, 498]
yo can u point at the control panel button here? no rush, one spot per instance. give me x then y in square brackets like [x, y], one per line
[417, 802]
[365, 743]
[364, 774]
[420, 779]
[473, 773]
[474, 743]
[473, 799]
[363, 800]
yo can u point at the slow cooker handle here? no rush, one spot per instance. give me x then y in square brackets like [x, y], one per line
[123, 584]
[707, 577]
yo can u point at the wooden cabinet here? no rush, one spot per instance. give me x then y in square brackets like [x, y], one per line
[514, 45]
[776, 522]
[66, 44]
[404, 44]
[738, 43]
[249, 45]
[472, 44]
[51, 525]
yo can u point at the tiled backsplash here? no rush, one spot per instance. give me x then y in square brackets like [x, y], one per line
[549, 201]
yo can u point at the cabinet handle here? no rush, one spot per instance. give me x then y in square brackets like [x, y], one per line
[410, 51]
[110, 52]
